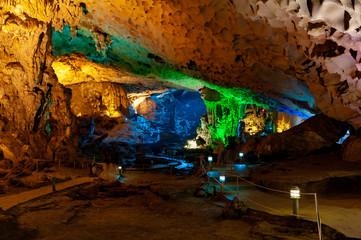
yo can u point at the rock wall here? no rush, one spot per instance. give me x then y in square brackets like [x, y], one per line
[34, 107]
[99, 99]
[284, 121]
[175, 112]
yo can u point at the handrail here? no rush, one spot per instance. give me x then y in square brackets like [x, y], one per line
[318, 219]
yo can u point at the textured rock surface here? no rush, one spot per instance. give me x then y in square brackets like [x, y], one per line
[99, 99]
[293, 53]
[290, 50]
[34, 107]
[313, 134]
[351, 151]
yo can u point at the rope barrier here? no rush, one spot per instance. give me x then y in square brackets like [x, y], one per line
[261, 205]
[318, 220]
[260, 186]
[24, 170]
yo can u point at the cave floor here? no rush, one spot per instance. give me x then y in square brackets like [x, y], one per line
[145, 206]
[303, 171]
[337, 184]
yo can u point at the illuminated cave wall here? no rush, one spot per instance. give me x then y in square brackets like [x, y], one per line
[173, 114]
[223, 117]
[284, 121]
[225, 108]
[223, 114]
[136, 60]
[99, 99]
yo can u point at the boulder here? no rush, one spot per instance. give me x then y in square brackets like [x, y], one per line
[351, 149]
[6, 163]
[205, 190]
[316, 133]
[235, 209]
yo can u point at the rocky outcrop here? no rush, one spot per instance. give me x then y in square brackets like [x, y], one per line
[99, 99]
[351, 149]
[313, 134]
[33, 105]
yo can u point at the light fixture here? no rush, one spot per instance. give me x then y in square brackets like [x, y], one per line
[222, 178]
[241, 154]
[295, 193]
[210, 159]
[120, 167]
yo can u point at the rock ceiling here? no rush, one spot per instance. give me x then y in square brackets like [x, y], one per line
[302, 54]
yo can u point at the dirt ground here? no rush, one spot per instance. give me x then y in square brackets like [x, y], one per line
[144, 206]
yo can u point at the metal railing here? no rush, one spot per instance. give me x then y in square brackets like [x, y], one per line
[317, 218]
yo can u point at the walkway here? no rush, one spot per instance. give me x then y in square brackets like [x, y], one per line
[342, 214]
[12, 200]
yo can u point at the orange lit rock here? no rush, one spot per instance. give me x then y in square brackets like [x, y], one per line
[33, 104]
[99, 99]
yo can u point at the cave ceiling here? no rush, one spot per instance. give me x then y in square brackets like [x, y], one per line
[297, 56]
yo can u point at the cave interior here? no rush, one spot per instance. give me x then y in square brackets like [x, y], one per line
[99, 89]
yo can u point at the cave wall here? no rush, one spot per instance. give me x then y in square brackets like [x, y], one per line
[169, 112]
[99, 99]
[34, 107]
[284, 121]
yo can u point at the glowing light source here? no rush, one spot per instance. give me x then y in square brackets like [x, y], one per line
[295, 193]
[222, 178]
[191, 144]
[241, 154]
[120, 167]
[210, 159]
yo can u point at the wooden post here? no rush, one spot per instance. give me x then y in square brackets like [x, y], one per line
[53, 181]
[237, 187]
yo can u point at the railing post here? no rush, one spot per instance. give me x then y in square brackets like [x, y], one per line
[53, 181]
[318, 219]
[237, 187]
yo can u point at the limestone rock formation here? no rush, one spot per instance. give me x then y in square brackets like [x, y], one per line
[299, 57]
[99, 99]
[290, 51]
[351, 149]
[316, 133]
[33, 105]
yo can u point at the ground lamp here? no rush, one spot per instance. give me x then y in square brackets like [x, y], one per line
[240, 156]
[222, 179]
[120, 170]
[210, 160]
[295, 195]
